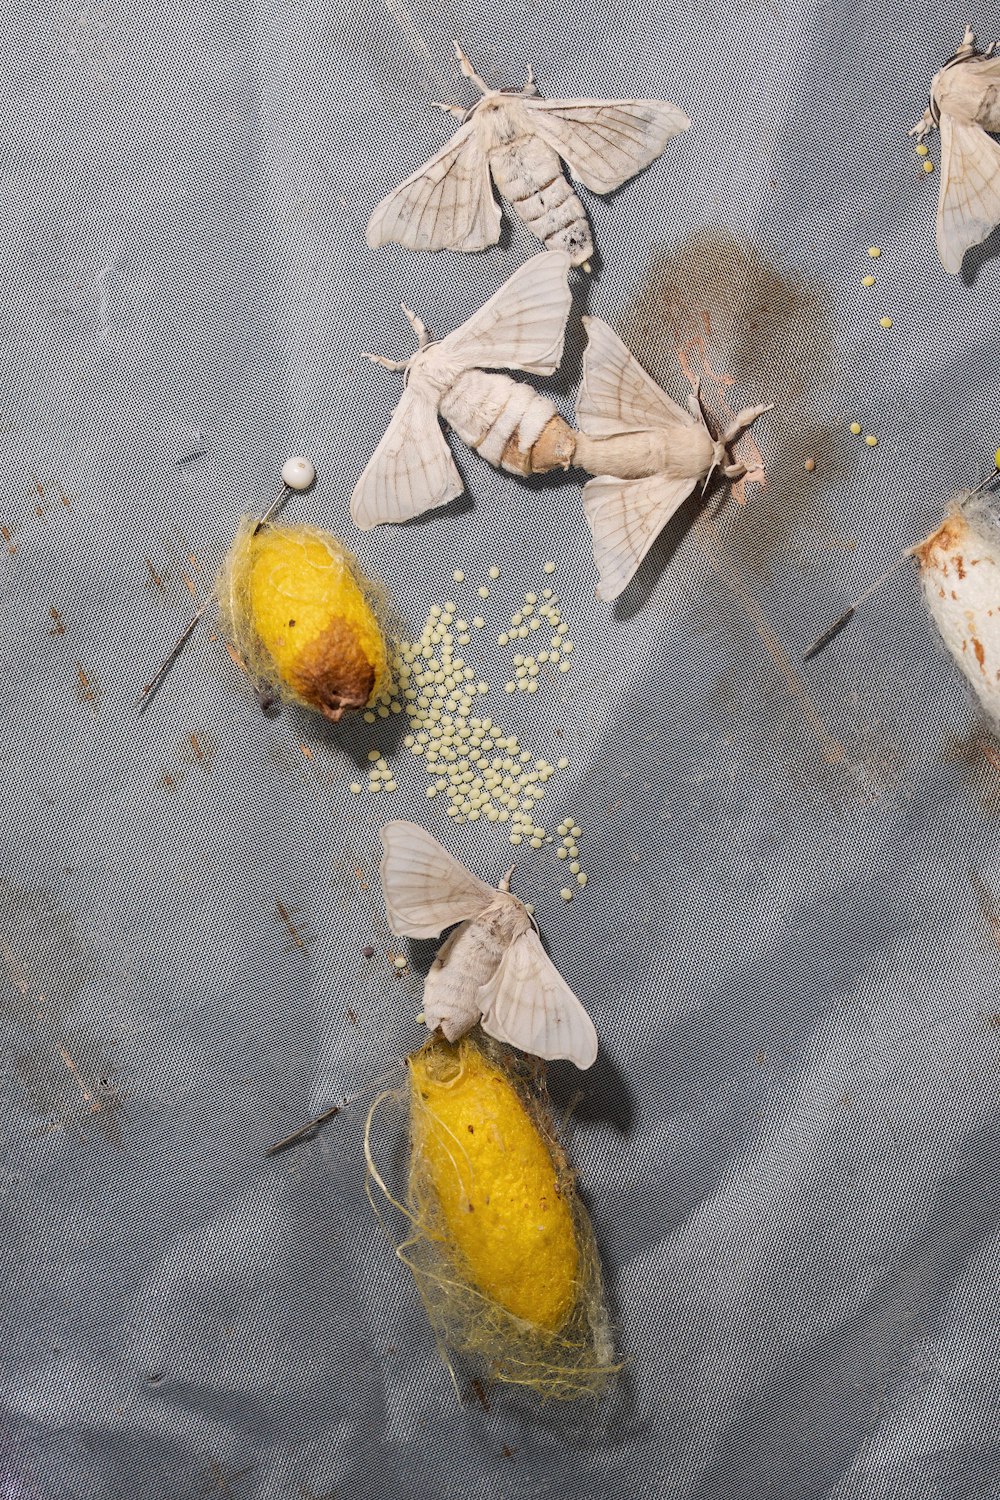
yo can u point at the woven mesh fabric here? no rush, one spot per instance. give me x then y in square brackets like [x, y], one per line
[789, 1142]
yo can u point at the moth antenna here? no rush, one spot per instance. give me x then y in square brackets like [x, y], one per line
[841, 620]
[423, 337]
[397, 365]
[505, 882]
[470, 71]
[455, 110]
[328, 1114]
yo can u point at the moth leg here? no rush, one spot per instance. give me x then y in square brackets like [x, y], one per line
[470, 71]
[387, 364]
[455, 110]
[923, 127]
[742, 420]
[530, 87]
[735, 471]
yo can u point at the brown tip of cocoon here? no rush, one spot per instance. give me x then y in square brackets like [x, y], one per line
[335, 675]
[952, 532]
[553, 449]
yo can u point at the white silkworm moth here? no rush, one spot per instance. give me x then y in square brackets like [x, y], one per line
[493, 967]
[521, 327]
[648, 452]
[518, 138]
[960, 573]
[965, 104]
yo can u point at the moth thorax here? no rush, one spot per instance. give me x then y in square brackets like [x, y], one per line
[960, 573]
[501, 418]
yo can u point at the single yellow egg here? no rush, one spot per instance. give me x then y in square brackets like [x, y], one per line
[874, 252]
[996, 458]
[922, 150]
[495, 1182]
[298, 610]
[928, 166]
[856, 428]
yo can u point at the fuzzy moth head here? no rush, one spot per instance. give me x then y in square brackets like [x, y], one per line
[493, 95]
[966, 52]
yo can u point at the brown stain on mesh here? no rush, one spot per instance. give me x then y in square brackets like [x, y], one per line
[58, 623]
[987, 905]
[6, 534]
[980, 753]
[718, 310]
[87, 690]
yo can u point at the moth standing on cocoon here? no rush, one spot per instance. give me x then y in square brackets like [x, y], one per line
[960, 573]
[965, 104]
[518, 138]
[648, 452]
[521, 327]
[493, 968]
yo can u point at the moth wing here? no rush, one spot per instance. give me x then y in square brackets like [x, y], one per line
[604, 142]
[425, 888]
[411, 470]
[521, 327]
[447, 204]
[533, 1008]
[969, 199]
[616, 394]
[625, 517]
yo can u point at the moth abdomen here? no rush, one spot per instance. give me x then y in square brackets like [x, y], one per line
[503, 420]
[529, 175]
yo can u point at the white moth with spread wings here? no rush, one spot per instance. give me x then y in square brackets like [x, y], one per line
[518, 138]
[965, 104]
[493, 967]
[521, 327]
[648, 452]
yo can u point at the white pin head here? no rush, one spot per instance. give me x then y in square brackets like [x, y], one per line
[298, 473]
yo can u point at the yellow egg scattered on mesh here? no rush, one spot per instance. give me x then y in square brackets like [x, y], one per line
[856, 428]
[301, 616]
[809, 465]
[871, 440]
[885, 322]
[874, 252]
[922, 150]
[996, 459]
[868, 281]
[928, 166]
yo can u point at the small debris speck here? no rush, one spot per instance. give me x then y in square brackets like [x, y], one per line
[368, 952]
[809, 465]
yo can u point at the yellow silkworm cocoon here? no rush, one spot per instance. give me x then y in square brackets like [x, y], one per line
[302, 617]
[495, 1183]
[498, 1242]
